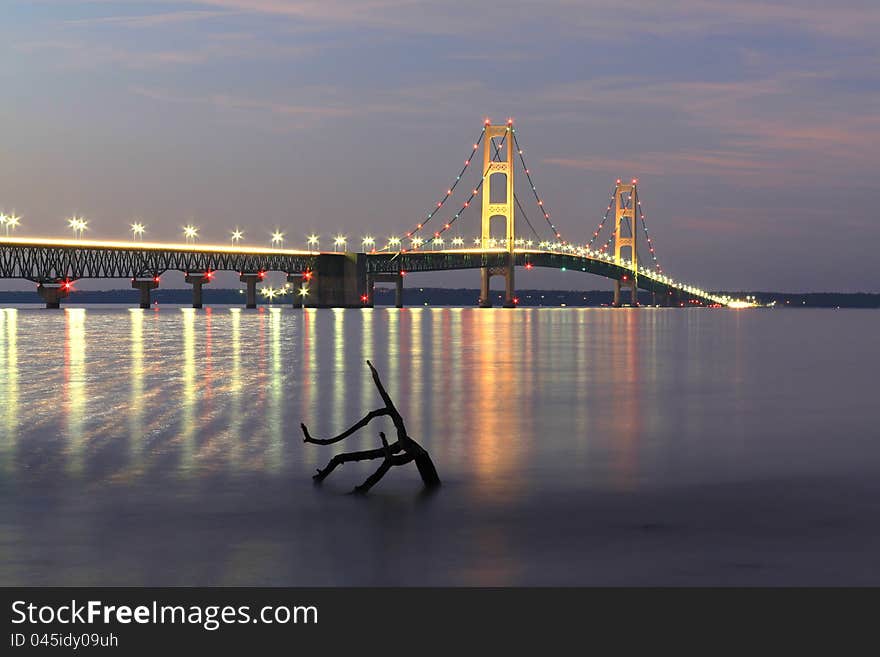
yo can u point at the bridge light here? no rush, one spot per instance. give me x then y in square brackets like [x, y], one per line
[438, 241]
[477, 241]
[190, 233]
[10, 221]
[77, 224]
[417, 242]
[303, 291]
[338, 241]
[529, 265]
[364, 298]
[368, 243]
[137, 230]
[237, 234]
[312, 242]
[393, 241]
[307, 275]
[457, 241]
[278, 238]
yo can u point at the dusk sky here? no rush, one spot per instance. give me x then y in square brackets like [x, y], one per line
[754, 128]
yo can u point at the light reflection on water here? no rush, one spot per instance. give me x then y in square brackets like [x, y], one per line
[182, 424]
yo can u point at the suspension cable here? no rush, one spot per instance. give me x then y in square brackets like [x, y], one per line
[429, 215]
[648, 237]
[466, 204]
[541, 207]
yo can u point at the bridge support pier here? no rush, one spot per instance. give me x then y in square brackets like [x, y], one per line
[197, 279]
[144, 285]
[486, 274]
[340, 280]
[624, 283]
[297, 285]
[397, 279]
[251, 280]
[53, 293]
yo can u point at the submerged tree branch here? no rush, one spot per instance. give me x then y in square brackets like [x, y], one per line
[390, 454]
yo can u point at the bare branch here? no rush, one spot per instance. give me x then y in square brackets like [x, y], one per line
[366, 455]
[372, 415]
[412, 451]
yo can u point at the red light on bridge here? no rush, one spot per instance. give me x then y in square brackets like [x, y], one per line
[625, 278]
[155, 279]
[529, 265]
[261, 274]
[307, 275]
[515, 301]
[364, 298]
[402, 273]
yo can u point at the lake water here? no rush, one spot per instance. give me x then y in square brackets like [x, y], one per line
[576, 446]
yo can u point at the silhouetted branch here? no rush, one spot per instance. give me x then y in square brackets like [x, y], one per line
[390, 453]
[372, 415]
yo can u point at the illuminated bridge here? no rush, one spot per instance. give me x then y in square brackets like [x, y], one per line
[347, 279]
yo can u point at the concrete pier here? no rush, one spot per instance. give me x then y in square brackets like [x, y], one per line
[297, 283]
[486, 274]
[197, 279]
[145, 285]
[397, 279]
[53, 293]
[339, 280]
[622, 284]
[251, 279]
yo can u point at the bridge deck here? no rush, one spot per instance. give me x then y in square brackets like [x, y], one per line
[46, 260]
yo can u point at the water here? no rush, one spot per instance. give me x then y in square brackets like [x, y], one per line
[576, 446]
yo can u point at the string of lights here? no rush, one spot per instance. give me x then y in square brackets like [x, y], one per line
[450, 190]
[541, 206]
[604, 218]
[648, 237]
[497, 156]
[467, 204]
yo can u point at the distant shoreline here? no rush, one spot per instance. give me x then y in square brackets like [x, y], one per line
[435, 296]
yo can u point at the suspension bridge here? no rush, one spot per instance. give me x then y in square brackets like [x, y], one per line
[507, 239]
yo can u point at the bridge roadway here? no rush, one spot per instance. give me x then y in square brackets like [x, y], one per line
[332, 279]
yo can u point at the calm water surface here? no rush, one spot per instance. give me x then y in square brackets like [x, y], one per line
[577, 446]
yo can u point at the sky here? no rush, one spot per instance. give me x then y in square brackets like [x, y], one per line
[753, 127]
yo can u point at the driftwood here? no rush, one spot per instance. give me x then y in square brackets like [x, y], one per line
[404, 450]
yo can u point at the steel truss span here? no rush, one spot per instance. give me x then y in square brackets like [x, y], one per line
[45, 263]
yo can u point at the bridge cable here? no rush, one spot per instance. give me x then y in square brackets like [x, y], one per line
[604, 219]
[467, 203]
[538, 200]
[497, 157]
[648, 237]
[449, 191]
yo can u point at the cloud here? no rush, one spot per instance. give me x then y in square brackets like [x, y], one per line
[618, 19]
[152, 20]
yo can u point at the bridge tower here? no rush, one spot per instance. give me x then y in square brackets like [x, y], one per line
[626, 200]
[496, 169]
